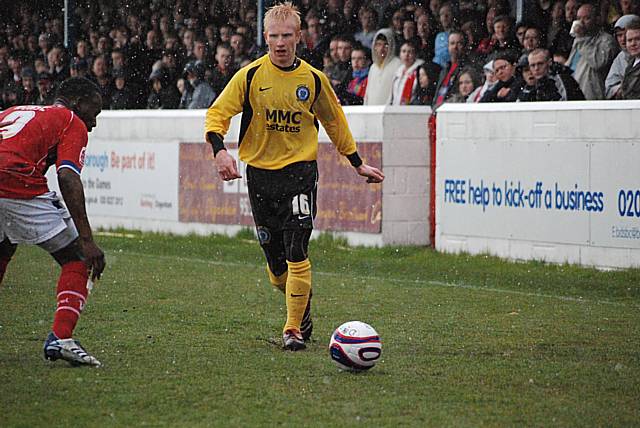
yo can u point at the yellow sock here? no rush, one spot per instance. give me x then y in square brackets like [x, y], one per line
[297, 293]
[277, 281]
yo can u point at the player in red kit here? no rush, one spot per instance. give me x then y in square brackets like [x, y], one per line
[32, 139]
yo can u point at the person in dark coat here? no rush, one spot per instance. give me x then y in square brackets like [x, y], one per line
[163, 94]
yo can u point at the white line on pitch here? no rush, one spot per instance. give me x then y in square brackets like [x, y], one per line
[381, 279]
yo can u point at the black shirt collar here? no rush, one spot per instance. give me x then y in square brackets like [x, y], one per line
[296, 64]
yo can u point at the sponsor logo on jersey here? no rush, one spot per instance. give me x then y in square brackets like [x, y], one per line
[302, 93]
[82, 154]
[283, 120]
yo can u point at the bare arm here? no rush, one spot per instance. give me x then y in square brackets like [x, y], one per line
[73, 194]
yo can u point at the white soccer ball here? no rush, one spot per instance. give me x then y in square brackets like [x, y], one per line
[355, 346]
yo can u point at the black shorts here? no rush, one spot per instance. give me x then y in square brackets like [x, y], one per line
[284, 199]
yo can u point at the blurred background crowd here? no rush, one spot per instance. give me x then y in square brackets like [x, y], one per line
[168, 54]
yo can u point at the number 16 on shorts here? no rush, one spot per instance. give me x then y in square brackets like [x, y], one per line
[302, 206]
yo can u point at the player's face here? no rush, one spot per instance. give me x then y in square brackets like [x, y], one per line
[282, 37]
[88, 110]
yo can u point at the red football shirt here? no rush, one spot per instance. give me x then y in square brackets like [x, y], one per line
[36, 138]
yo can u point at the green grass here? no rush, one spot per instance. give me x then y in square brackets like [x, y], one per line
[188, 331]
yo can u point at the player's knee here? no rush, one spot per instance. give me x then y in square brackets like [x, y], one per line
[297, 245]
[68, 254]
[279, 281]
[272, 246]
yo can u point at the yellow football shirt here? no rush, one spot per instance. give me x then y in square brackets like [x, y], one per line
[280, 112]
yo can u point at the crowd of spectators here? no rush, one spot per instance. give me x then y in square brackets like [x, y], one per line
[167, 54]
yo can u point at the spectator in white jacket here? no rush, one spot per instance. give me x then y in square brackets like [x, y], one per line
[384, 66]
[405, 80]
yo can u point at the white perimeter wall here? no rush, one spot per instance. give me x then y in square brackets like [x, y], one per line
[131, 170]
[550, 181]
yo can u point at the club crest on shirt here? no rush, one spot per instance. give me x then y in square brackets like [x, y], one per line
[302, 93]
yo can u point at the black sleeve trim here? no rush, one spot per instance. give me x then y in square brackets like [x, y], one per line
[247, 109]
[355, 160]
[216, 142]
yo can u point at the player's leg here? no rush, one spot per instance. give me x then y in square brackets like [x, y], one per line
[45, 222]
[301, 209]
[298, 291]
[7, 249]
[272, 244]
[271, 194]
[268, 227]
[71, 295]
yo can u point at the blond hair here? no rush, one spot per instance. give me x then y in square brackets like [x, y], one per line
[281, 12]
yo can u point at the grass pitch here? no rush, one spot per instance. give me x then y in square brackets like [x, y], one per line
[188, 330]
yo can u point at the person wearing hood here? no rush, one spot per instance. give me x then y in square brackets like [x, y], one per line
[383, 69]
[163, 94]
[405, 80]
[200, 94]
[630, 86]
[490, 81]
[616, 72]
[508, 86]
[123, 97]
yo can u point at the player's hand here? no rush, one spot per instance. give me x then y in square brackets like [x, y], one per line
[227, 166]
[373, 174]
[93, 258]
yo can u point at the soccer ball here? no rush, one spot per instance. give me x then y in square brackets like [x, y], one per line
[355, 346]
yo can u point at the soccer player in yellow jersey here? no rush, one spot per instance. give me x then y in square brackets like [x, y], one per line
[281, 99]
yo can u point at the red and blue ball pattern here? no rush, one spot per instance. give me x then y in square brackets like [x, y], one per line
[355, 346]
